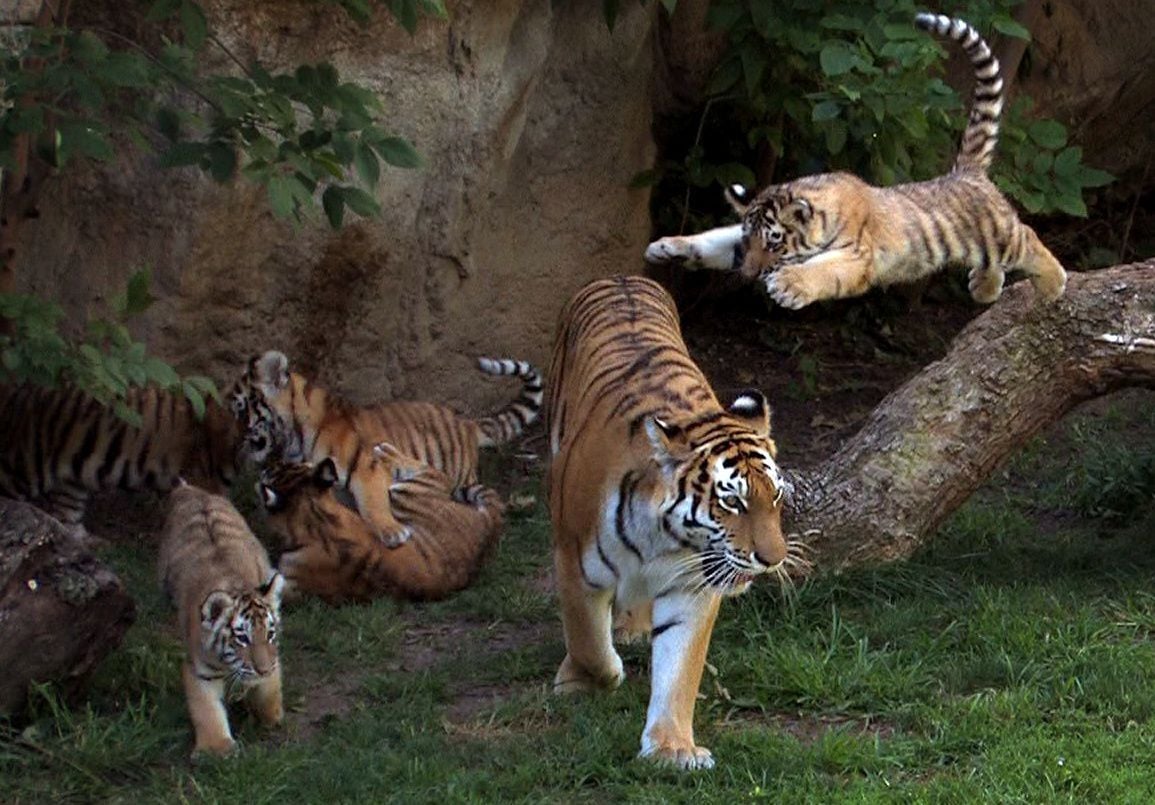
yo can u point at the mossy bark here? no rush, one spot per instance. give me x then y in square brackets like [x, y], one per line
[61, 610]
[928, 446]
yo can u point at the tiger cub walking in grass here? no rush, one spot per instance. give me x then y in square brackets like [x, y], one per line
[833, 236]
[316, 424]
[228, 601]
[332, 553]
[658, 496]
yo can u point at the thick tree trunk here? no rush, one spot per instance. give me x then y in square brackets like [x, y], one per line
[928, 446]
[61, 610]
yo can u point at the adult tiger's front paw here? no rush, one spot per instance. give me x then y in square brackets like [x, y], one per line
[686, 757]
[792, 287]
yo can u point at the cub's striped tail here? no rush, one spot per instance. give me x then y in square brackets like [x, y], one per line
[982, 131]
[511, 420]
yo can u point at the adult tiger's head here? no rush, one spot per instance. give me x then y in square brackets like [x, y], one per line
[239, 630]
[789, 223]
[724, 493]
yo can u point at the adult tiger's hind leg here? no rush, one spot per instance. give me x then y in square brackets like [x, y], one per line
[1045, 271]
[587, 614]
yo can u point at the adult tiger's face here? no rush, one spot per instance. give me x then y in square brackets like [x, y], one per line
[779, 228]
[725, 494]
[240, 631]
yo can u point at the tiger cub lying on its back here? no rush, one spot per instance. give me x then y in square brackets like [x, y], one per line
[332, 553]
[317, 424]
[228, 601]
[833, 236]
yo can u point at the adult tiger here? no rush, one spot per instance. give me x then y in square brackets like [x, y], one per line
[330, 552]
[832, 236]
[318, 424]
[61, 445]
[657, 494]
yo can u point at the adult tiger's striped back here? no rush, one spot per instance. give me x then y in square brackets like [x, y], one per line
[330, 552]
[61, 445]
[319, 424]
[658, 495]
[832, 235]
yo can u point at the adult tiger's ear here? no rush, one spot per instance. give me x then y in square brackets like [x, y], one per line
[214, 607]
[752, 408]
[668, 442]
[271, 370]
[325, 474]
[797, 213]
[738, 197]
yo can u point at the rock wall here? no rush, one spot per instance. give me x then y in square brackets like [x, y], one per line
[532, 118]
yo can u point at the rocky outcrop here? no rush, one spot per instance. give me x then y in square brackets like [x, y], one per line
[532, 118]
[61, 610]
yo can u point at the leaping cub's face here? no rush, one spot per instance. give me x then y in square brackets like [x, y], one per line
[779, 227]
[726, 494]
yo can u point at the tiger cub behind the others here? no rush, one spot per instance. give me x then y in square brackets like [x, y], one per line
[832, 235]
[228, 600]
[61, 445]
[329, 551]
[316, 424]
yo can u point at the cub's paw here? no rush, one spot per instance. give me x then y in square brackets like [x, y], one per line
[790, 288]
[685, 757]
[395, 538]
[670, 250]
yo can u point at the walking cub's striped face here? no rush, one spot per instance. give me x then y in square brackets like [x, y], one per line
[240, 631]
[779, 227]
[725, 494]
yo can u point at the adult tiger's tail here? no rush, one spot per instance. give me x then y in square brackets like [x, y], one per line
[511, 420]
[982, 131]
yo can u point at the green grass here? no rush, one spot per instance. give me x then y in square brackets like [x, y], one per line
[1010, 661]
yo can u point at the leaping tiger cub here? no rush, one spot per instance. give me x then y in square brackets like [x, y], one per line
[318, 424]
[832, 236]
[228, 601]
[657, 493]
[330, 552]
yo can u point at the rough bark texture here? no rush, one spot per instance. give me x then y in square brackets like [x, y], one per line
[929, 445]
[61, 610]
[532, 118]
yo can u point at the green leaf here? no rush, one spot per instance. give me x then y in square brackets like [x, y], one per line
[398, 152]
[162, 10]
[192, 20]
[836, 137]
[1072, 205]
[827, 110]
[406, 13]
[670, 5]
[1004, 24]
[280, 195]
[725, 76]
[1048, 133]
[196, 400]
[333, 202]
[161, 373]
[646, 178]
[836, 58]
[222, 161]
[182, 154]
[360, 202]
[78, 138]
[129, 415]
[366, 163]
[137, 298]
[1093, 177]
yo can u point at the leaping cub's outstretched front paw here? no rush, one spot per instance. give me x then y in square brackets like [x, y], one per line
[789, 288]
[673, 249]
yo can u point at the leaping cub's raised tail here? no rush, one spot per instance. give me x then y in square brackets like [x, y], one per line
[513, 419]
[982, 131]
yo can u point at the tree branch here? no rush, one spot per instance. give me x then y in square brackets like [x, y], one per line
[929, 445]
